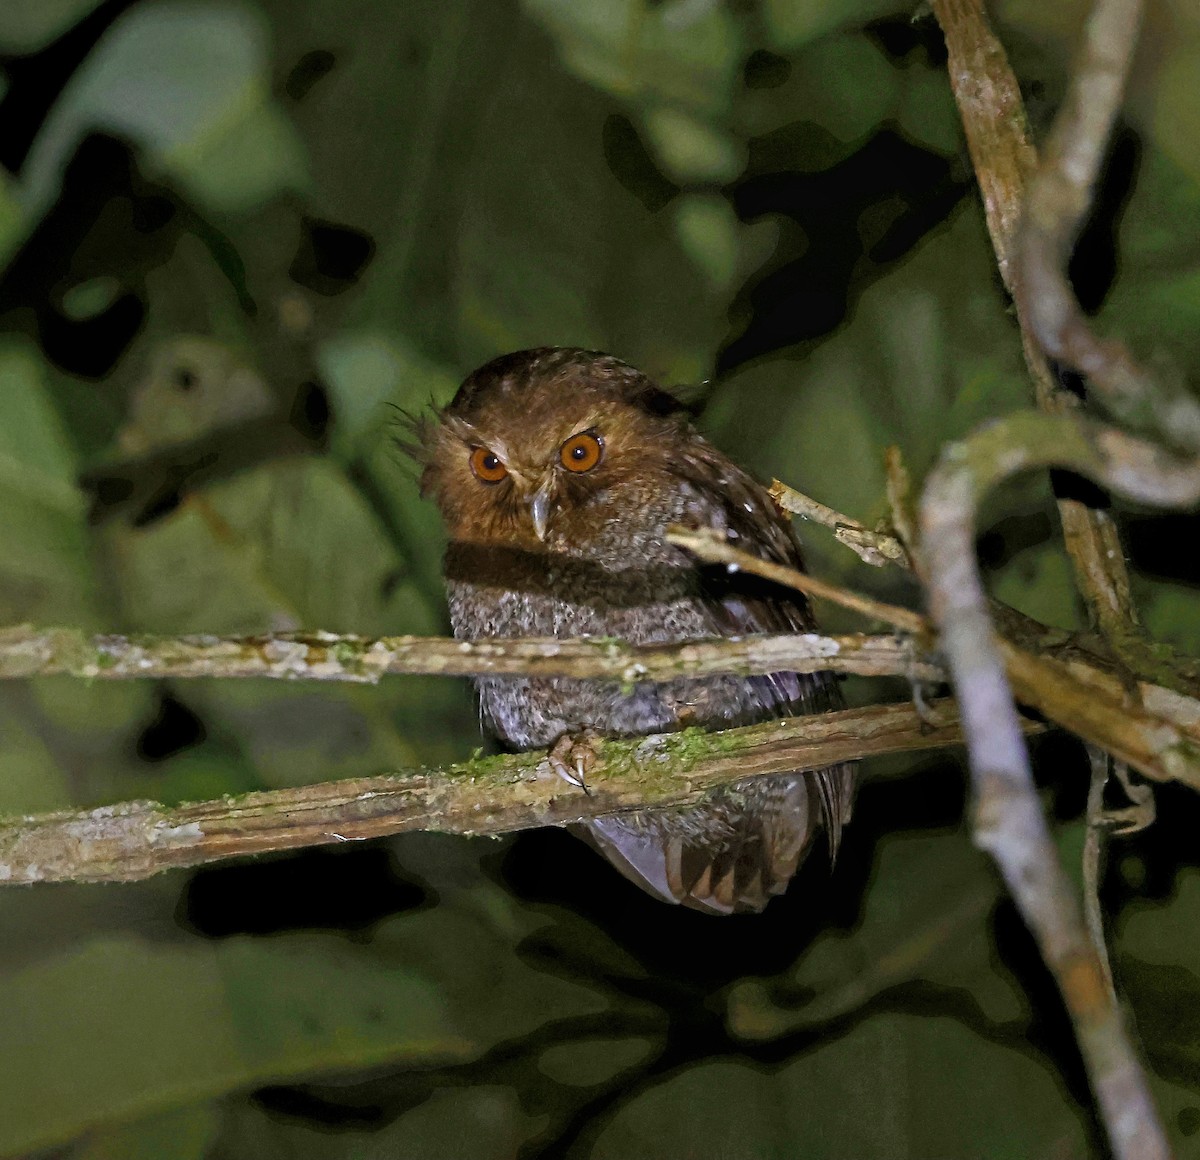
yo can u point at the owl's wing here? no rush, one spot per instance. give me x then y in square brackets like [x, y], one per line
[742, 844]
[731, 501]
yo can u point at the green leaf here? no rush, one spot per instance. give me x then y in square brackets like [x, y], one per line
[708, 231]
[894, 1085]
[29, 25]
[678, 52]
[690, 150]
[190, 86]
[12, 215]
[1154, 304]
[1172, 614]
[293, 546]
[119, 1028]
[33, 780]
[1155, 965]
[588, 1062]
[926, 917]
[928, 353]
[45, 571]
[483, 1121]
[1039, 582]
[792, 23]
[181, 1134]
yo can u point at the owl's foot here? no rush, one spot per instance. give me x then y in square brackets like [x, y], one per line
[574, 756]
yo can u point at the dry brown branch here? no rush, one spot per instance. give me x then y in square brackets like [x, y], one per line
[133, 840]
[993, 116]
[1009, 822]
[902, 510]
[879, 549]
[323, 656]
[711, 547]
[1096, 706]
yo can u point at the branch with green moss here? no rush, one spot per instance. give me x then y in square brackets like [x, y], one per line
[491, 795]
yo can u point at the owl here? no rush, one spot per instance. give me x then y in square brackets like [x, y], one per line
[557, 472]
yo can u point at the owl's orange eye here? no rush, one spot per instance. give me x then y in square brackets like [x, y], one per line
[581, 452]
[487, 466]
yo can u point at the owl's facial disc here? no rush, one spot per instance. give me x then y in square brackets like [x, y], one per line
[531, 471]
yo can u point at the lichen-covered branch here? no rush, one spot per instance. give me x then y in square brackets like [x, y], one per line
[323, 656]
[1009, 822]
[492, 795]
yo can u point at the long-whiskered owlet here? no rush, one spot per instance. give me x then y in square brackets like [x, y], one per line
[557, 472]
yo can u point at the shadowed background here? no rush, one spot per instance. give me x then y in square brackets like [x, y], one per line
[236, 237]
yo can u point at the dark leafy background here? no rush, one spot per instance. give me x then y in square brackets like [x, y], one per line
[235, 233]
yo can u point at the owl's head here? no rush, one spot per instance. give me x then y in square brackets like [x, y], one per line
[543, 447]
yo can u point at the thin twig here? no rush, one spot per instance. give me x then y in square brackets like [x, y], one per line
[1093, 851]
[711, 547]
[1091, 702]
[133, 840]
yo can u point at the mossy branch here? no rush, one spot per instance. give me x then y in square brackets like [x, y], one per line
[491, 795]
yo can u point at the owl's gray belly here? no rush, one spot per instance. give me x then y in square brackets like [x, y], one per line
[528, 713]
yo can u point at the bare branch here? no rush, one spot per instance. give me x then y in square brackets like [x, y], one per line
[1162, 744]
[993, 117]
[323, 656]
[1093, 855]
[713, 548]
[133, 840]
[1076, 691]
[879, 549]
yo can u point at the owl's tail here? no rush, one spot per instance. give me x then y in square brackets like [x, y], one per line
[736, 850]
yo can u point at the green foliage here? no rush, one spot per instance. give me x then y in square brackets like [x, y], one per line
[593, 172]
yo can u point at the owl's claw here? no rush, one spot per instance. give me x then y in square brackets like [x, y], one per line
[573, 758]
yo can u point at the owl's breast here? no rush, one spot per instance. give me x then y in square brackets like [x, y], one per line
[564, 597]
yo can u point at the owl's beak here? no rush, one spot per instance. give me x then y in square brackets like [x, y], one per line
[539, 510]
